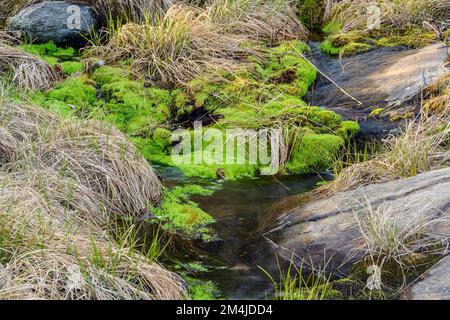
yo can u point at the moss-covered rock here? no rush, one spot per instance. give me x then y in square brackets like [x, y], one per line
[355, 42]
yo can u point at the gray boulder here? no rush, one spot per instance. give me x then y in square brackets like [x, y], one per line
[326, 231]
[435, 284]
[64, 23]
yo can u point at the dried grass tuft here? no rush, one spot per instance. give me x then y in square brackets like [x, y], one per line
[259, 20]
[62, 183]
[26, 70]
[177, 48]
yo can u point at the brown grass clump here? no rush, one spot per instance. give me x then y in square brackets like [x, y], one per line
[47, 253]
[94, 155]
[26, 70]
[395, 15]
[176, 49]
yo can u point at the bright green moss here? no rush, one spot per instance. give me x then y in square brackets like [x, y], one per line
[328, 48]
[107, 75]
[252, 99]
[162, 138]
[342, 39]
[349, 49]
[229, 171]
[355, 42]
[71, 67]
[129, 104]
[376, 112]
[354, 48]
[316, 152]
[180, 215]
[319, 119]
[75, 92]
[50, 60]
[349, 129]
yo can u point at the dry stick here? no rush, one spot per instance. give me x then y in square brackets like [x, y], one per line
[331, 80]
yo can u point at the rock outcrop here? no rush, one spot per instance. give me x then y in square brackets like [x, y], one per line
[64, 23]
[326, 231]
[387, 78]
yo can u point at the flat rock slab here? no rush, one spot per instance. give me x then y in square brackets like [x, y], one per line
[326, 232]
[65, 23]
[390, 78]
[435, 285]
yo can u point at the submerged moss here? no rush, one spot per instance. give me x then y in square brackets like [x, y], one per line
[182, 216]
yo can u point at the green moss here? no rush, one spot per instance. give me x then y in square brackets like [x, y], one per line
[50, 60]
[266, 96]
[355, 42]
[107, 75]
[401, 116]
[345, 50]
[376, 112]
[131, 106]
[180, 215]
[202, 290]
[49, 49]
[328, 48]
[75, 92]
[349, 129]
[349, 288]
[316, 152]
[54, 55]
[355, 48]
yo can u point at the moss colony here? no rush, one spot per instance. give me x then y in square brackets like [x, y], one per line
[266, 95]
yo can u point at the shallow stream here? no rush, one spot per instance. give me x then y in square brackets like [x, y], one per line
[239, 207]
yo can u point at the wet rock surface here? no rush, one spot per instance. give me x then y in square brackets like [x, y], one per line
[325, 232]
[65, 23]
[388, 78]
